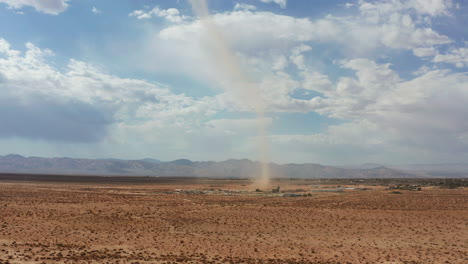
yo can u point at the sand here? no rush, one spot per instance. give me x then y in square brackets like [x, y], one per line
[73, 222]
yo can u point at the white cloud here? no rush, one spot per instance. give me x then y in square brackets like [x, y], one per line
[261, 39]
[427, 112]
[5, 48]
[172, 14]
[236, 126]
[281, 3]
[381, 110]
[316, 81]
[52, 7]
[297, 57]
[243, 6]
[85, 98]
[398, 27]
[388, 119]
[253, 31]
[432, 7]
[267, 44]
[458, 57]
[96, 11]
[380, 10]
[424, 52]
[250, 30]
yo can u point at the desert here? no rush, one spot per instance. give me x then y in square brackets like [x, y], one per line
[73, 219]
[241, 131]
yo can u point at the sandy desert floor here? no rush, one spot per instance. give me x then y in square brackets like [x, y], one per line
[73, 222]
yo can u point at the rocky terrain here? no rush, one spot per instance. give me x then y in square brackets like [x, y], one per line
[171, 222]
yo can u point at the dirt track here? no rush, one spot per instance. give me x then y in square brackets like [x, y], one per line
[125, 223]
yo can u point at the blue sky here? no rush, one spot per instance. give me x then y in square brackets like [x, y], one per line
[342, 82]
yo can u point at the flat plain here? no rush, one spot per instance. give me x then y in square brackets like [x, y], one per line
[51, 219]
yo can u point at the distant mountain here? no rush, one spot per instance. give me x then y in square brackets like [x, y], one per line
[184, 162]
[184, 167]
[12, 157]
[363, 166]
[151, 160]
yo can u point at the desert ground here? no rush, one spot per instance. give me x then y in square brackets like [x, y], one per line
[52, 219]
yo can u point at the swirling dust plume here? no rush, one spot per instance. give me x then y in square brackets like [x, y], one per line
[240, 83]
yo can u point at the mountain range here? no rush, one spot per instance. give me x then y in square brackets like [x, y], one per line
[14, 163]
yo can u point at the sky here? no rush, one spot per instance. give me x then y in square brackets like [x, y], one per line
[342, 82]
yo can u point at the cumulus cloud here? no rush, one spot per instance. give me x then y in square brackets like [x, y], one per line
[425, 52]
[380, 108]
[5, 48]
[395, 29]
[389, 119]
[243, 6]
[236, 126]
[426, 112]
[266, 51]
[379, 10]
[172, 14]
[458, 57]
[297, 56]
[52, 7]
[81, 102]
[96, 11]
[383, 113]
[432, 7]
[281, 3]
[400, 24]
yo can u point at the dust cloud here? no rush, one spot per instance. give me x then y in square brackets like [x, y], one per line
[239, 82]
